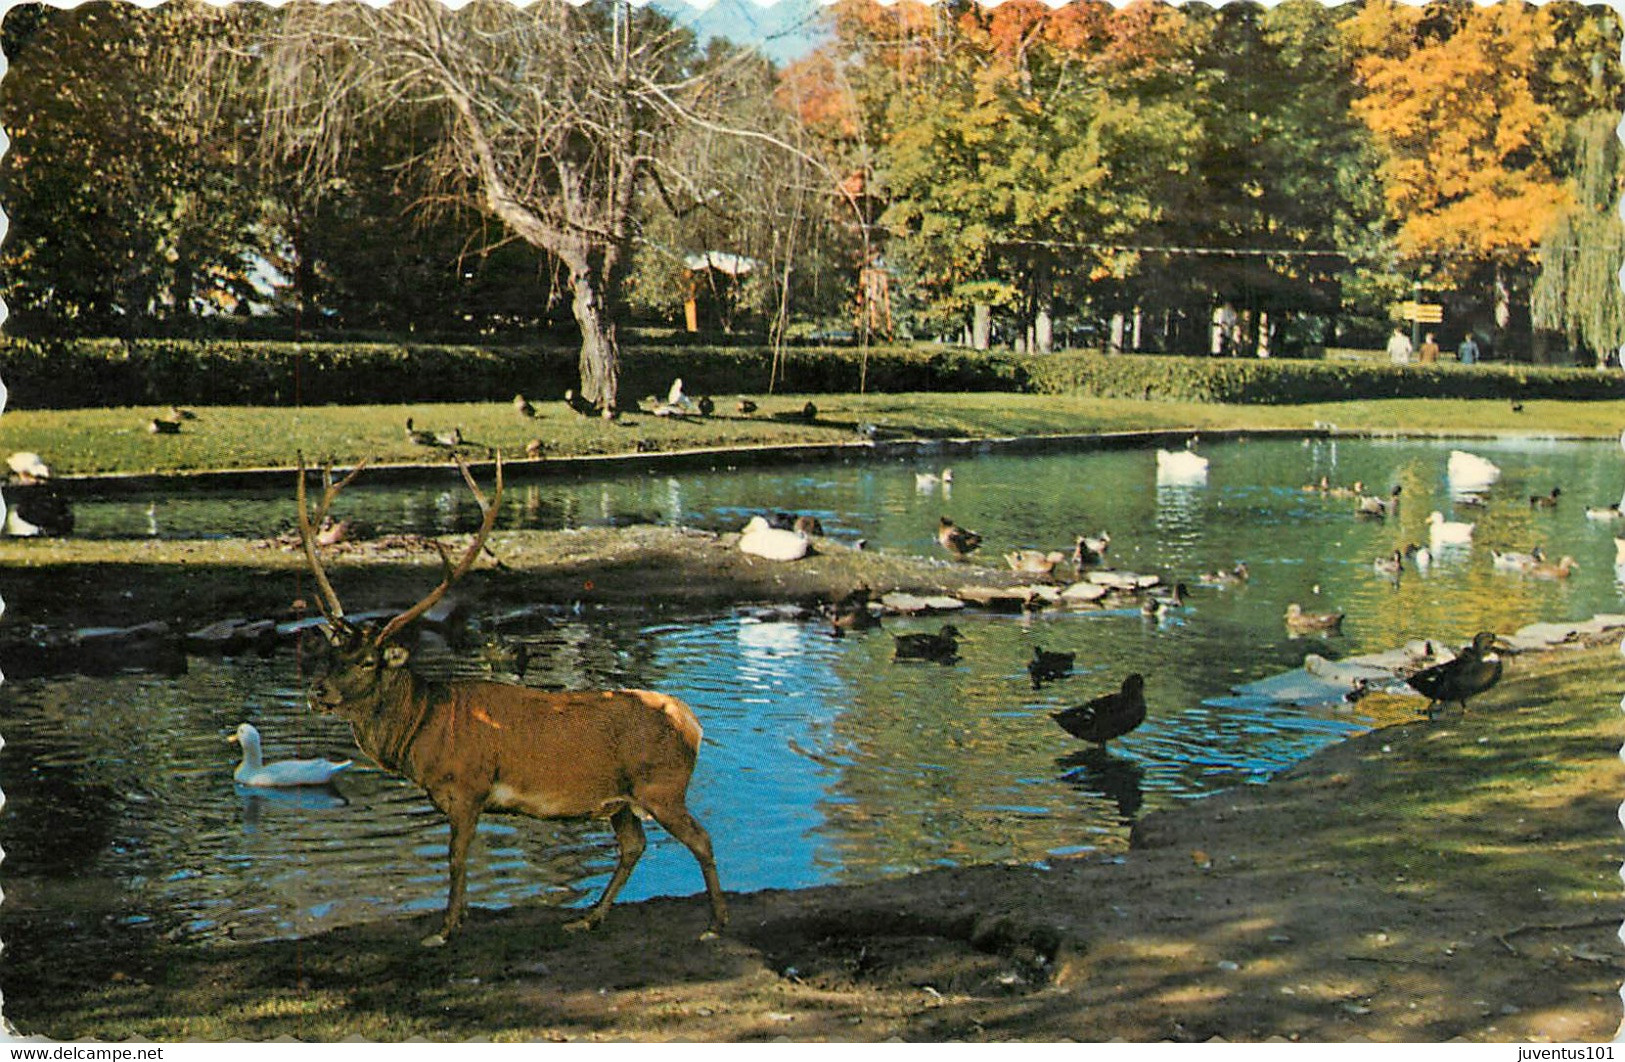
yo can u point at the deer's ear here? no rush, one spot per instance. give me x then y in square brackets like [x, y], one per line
[396, 655]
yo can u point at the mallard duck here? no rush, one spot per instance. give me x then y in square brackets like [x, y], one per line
[851, 613]
[1162, 598]
[808, 525]
[522, 406]
[1442, 532]
[942, 647]
[761, 539]
[1560, 570]
[1355, 491]
[1468, 472]
[1604, 512]
[1034, 562]
[745, 407]
[578, 403]
[535, 448]
[1108, 716]
[706, 406]
[1180, 466]
[417, 437]
[1317, 488]
[252, 771]
[449, 439]
[1475, 669]
[177, 413]
[1392, 564]
[1238, 574]
[1381, 508]
[1090, 549]
[1047, 666]
[1545, 501]
[1514, 561]
[163, 426]
[1300, 622]
[957, 540]
[1421, 556]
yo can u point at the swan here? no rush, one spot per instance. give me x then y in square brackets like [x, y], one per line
[253, 772]
[761, 539]
[1180, 466]
[1469, 471]
[1444, 532]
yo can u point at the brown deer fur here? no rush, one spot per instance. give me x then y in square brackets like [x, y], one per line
[477, 746]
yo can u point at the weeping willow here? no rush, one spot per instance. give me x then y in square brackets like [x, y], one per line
[1578, 291]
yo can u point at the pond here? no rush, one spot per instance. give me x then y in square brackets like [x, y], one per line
[824, 760]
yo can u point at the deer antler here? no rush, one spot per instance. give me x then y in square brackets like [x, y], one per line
[457, 571]
[308, 525]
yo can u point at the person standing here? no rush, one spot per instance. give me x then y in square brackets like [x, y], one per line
[1428, 352]
[1399, 347]
[1467, 353]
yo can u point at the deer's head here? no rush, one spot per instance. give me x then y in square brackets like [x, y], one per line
[363, 671]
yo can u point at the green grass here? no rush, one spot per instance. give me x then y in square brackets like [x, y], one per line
[88, 441]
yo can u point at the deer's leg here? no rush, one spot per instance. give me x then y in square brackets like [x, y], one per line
[629, 835]
[686, 828]
[464, 815]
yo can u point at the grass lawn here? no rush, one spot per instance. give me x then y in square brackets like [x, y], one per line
[90, 441]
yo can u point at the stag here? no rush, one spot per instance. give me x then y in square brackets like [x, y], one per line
[477, 746]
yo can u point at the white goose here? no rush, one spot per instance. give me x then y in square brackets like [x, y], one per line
[1444, 532]
[1181, 466]
[1470, 472]
[253, 771]
[761, 539]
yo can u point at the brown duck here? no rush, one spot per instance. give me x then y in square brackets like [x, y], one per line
[1300, 622]
[943, 647]
[1109, 716]
[1047, 666]
[957, 540]
[1475, 669]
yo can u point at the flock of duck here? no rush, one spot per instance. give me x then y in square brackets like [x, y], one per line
[1454, 677]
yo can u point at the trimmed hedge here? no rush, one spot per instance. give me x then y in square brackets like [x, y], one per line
[1280, 381]
[78, 373]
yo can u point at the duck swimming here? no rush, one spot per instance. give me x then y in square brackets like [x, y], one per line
[943, 647]
[1545, 501]
[1108, 716]
[1475, 669]
[1444, 532]
[1300, 622]
[1469, 472]
[253, 772]
[1047, 666]
[1235, 575]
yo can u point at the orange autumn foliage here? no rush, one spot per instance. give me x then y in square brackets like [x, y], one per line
[1466, 155]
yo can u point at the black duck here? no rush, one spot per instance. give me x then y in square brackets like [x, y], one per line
[1109, 716]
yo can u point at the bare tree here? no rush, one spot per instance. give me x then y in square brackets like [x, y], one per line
[551, 117]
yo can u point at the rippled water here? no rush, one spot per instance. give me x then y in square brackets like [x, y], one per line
[824, 760]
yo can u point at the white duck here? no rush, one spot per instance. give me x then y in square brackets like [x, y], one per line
[1470, 472]
[252, 771]
[761, 539]
[924, 482]
[1181, 466]
[1444, 532]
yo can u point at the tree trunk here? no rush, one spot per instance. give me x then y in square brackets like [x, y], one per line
[600, 350]
[981, 335]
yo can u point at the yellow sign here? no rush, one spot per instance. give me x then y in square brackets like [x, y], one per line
[1423, 312]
